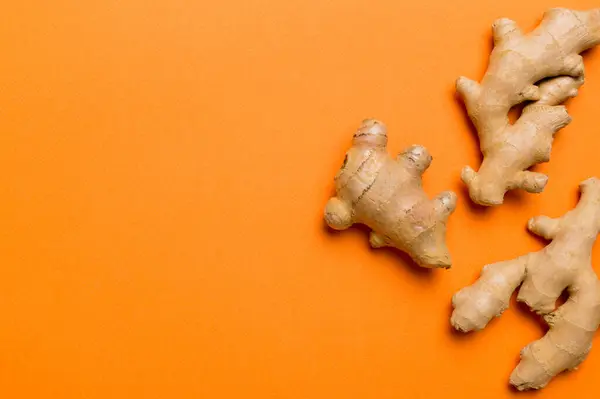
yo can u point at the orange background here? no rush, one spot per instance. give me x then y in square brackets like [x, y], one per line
[164, 169]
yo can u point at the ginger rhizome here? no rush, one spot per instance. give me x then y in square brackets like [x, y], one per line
[544, 68]
[386, 194]
[565, 263]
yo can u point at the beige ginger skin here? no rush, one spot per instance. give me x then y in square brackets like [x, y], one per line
[385, 194]
[564, 264]
[543, 67]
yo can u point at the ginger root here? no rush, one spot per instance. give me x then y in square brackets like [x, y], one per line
[386, 195]
[543, 67]
[563, 264]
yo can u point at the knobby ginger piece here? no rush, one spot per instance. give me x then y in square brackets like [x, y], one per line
[564, 264]
[386, 195]
[544, 68]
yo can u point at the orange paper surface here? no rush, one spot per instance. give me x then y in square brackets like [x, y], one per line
[164, 167]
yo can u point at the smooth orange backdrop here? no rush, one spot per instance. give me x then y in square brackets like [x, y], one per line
[164, 166]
